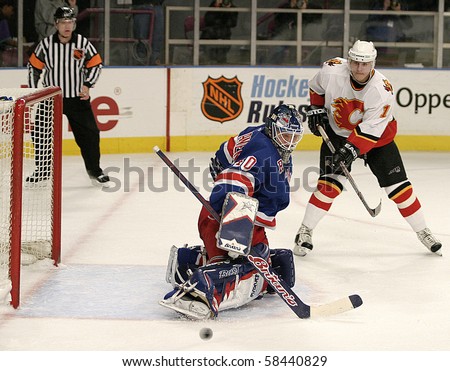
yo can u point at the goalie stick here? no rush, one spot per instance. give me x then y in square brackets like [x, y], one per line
[301, 309]
[372, 212]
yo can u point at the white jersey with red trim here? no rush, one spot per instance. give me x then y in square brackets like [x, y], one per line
[361, 113]
[253, 166]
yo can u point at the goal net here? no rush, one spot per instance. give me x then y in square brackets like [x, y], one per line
[30, 182]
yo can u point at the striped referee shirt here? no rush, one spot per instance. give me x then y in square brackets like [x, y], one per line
[69, 66]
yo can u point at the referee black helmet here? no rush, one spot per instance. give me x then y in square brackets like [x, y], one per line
[64, 12]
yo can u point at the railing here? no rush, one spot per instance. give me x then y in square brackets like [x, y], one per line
[99, 33]
[428, 42]
[424, 45]
[98, 28]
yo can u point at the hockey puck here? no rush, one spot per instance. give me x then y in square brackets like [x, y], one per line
[206, 333]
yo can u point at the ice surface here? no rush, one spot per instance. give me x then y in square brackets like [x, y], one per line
[115, 246]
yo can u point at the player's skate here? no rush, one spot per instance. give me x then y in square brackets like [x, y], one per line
[39, 177]
[183, 303]
[101, 180]
[303, 241]
[430, 242]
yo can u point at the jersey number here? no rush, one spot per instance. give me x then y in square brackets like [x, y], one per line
[385, 111]
[247, 163]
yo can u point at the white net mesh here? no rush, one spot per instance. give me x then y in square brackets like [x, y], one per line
[36, 190]
[6, 119]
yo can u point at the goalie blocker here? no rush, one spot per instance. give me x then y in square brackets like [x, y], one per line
[236, 224]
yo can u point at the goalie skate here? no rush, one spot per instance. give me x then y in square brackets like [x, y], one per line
[236, 226]
[183, 303]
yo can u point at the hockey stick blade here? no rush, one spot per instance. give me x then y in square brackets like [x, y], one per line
[373, 212]
[336, 307]
[301, 309]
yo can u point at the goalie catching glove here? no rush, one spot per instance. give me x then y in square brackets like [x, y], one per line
[317, 115]
[346, 154]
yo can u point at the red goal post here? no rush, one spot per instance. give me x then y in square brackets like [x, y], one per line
[30, 183]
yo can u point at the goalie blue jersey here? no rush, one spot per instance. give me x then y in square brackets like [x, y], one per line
[253, 166]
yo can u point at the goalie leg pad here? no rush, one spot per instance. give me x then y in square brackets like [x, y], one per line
[220, 286]
[182, 262]
[238, 283]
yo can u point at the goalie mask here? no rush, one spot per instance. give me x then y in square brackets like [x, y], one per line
[284, 126]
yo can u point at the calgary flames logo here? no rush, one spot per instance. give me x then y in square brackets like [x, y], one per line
[222, 99]
[347, 113]
[388, 86]
[332, 62]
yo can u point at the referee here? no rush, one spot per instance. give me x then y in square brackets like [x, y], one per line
[71, 62]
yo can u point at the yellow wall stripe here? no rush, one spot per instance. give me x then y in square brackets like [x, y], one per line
[211, 143]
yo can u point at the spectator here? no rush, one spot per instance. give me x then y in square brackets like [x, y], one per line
[387, 28]
[141, 31]
[8, 42]
[334, 23]
[43, 15]
[74, 55]
[423, 5]
[381, 27]
[286, 23]
[28, 19]
[84, 18]
[218, 26]
[285, 28]
[6, 13]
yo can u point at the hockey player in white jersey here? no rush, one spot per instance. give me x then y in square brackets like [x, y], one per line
[355, 103]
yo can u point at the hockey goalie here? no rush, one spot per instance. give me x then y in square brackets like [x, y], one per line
[251, 174]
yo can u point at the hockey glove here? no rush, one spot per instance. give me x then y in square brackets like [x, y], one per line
[316, 116]
[346, 154]
[215, 167]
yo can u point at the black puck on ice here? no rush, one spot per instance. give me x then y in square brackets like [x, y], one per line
[206, 333]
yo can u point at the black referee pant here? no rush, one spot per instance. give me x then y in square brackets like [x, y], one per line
[86, 133]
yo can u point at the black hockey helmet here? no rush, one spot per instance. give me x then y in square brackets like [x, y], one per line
[64, 12]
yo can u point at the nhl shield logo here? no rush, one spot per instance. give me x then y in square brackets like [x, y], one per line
[222, 99]
[78, 54]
